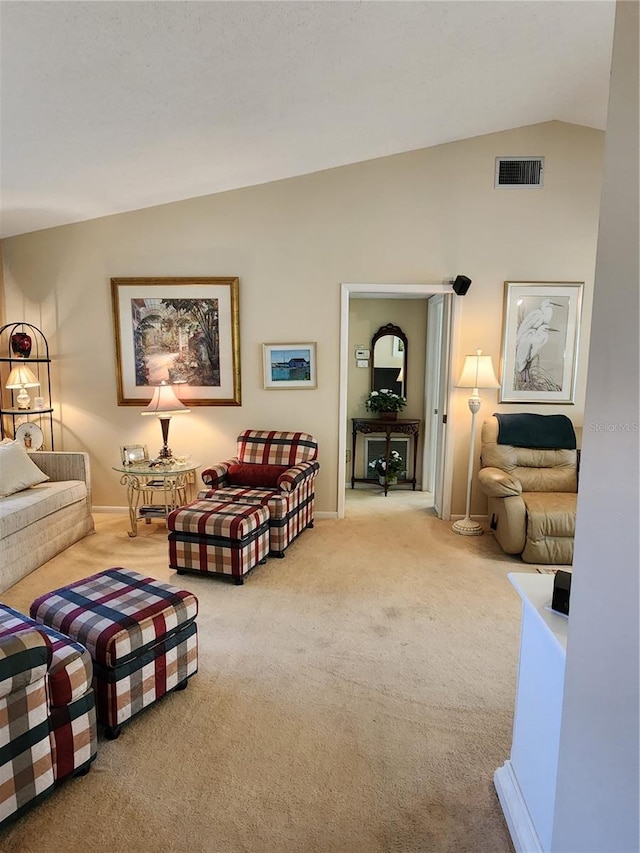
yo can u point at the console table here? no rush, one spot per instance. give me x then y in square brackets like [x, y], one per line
[402, 426]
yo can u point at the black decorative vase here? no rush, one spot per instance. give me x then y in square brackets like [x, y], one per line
[21, 344]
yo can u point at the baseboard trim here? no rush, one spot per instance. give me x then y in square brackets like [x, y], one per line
[320, 515]
[523, 834]
[483, 519]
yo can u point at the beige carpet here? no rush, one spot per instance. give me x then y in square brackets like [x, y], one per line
[355, 697]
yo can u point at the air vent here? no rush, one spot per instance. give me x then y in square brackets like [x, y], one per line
[519, 172]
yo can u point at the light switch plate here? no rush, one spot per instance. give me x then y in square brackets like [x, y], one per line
[362, 362]
[362, 353]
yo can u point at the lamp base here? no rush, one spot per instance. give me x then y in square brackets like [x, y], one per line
[23, 399]
[165, 453]
[467, 527]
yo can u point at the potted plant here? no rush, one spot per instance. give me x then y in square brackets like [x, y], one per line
[389, 473]
[385, 403]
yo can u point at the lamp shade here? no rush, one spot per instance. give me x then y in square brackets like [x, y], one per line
[164, 403]
[22, 377]
[478, 372]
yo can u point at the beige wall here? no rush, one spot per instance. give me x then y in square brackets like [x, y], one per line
[366, 316]
[422, 216]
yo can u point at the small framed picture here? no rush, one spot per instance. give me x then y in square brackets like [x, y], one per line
[134, 453]
[289, 366]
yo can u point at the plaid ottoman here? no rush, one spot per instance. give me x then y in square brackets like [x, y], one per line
[141, 634]
[215, 538]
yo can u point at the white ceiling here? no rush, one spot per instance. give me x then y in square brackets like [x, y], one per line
[115, 106]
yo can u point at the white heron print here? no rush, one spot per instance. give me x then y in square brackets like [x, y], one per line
[539, 347]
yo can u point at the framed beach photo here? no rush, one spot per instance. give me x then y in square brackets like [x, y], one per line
[289, 366]
[184, 331]
[540, 341]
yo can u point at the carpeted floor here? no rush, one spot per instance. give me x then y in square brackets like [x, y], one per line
[355, 697]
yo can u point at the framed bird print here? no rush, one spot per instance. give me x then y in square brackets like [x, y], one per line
[540, 341]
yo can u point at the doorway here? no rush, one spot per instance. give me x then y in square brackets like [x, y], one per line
[439, 346]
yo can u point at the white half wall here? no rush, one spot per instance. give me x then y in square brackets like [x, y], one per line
[596, 807]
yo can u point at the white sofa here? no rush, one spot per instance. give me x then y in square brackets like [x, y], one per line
[37, 523]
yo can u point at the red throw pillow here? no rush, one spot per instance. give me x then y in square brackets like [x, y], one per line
[250, 474]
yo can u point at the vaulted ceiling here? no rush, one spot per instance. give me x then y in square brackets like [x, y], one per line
[115, 106]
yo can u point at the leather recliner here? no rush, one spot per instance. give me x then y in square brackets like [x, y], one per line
[532, 494]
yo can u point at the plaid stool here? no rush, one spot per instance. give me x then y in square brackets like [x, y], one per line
[141, 634]
[215, 538]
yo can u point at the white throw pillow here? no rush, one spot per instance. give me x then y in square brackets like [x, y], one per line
[17, 471]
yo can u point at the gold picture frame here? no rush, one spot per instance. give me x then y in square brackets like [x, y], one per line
[185, 331]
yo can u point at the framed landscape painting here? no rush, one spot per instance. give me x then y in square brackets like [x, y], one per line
[184, 331]
[540, 341]
[289, 365]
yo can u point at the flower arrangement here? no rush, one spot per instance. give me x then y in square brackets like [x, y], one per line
[396, 465]
[385, 400]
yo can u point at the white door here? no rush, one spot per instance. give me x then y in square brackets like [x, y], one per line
[437, 382]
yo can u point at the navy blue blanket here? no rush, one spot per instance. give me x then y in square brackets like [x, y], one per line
[550, 432]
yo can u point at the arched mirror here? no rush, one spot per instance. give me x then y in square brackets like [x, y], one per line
[389, 359]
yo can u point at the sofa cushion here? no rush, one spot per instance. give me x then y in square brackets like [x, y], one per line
[550, 514]
[17, 469]
[29, 505]
[551, 522]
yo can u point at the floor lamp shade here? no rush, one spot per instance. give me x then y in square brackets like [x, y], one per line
[165, 405]
[477, 372]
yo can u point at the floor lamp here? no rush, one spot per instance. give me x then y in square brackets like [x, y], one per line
[163, 405]
[477, 373]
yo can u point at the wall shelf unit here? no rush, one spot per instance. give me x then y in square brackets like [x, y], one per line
[23, 345]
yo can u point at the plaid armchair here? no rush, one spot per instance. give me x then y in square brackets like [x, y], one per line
[276, 470]
[47, 711]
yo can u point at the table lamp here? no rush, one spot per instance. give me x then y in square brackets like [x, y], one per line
[477, 373]
[22, 377]
[164, 405]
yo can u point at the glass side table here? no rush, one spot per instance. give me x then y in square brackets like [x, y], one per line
[169, 481]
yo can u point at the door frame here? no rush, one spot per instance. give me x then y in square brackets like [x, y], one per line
[377, 291]
[432, 391]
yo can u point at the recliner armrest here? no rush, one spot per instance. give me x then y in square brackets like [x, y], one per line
[496, 483]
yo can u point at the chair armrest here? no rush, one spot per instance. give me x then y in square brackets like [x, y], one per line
[496, 483]
[59, 465]
[297, 474]
[216, 476]
[509, 522]
[24, 658]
